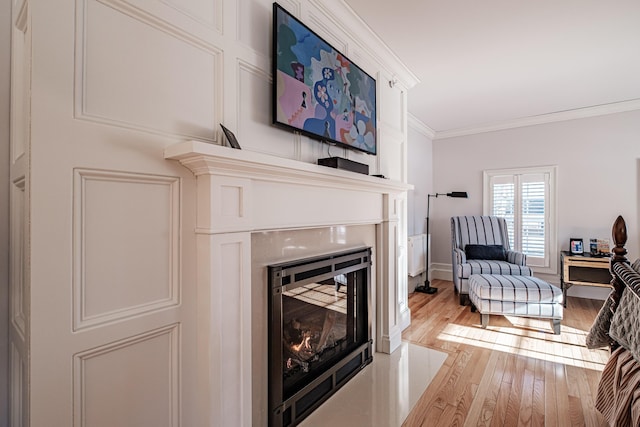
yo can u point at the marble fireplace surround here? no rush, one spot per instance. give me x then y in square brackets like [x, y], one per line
[240, 194]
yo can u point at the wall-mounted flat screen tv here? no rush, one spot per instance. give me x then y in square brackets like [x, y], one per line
[317, 90]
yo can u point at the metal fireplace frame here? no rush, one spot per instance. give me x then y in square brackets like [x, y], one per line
[289, 411]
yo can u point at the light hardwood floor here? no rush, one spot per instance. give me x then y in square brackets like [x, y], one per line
[514, 373]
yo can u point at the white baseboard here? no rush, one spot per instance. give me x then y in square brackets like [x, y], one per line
[441, 271]
[389, 343]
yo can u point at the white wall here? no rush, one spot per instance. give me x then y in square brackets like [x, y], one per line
[5, 46]
[598, 163]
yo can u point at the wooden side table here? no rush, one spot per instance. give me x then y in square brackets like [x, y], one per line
[584, 270]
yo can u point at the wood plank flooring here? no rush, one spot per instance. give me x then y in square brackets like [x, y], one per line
[514, 373]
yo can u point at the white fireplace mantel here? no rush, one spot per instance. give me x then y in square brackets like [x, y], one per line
[240, 192]
[287, 193]
[203, 158]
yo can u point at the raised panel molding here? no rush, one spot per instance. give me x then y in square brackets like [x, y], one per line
[133, 381]
[392, 104]
[253, 23]
[230, 345]
[253, 115]
[392, 159]
[17, 290]
[18, 380]
[224, 203]
[22, 17]
[126, 245]
[402, 255]
[207, 12]
[118, 85]
[20, 81]
[292, 6]
[392, 135]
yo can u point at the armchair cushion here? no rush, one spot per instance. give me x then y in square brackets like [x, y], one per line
[488, 252]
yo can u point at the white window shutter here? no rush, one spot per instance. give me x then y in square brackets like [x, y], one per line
[503, 202]
[525, 198]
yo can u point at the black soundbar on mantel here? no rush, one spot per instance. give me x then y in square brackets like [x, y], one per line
[344, 164]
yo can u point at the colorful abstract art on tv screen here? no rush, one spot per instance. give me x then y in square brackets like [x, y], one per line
[317, 90]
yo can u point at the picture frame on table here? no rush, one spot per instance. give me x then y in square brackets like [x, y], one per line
[576, 246]
[233, 141]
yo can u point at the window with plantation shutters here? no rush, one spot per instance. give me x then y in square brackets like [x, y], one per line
[526, 199]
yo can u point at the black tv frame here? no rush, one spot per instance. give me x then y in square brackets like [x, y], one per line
[274, 97]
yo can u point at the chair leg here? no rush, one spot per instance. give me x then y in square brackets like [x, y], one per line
[556, 326]
[484, 320]
[473, 308]
[463, 299]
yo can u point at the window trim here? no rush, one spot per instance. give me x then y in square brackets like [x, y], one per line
[552, 268]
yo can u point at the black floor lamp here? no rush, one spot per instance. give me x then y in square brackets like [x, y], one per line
[427, 288]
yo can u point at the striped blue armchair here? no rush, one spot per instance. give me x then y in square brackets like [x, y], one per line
[470, 234]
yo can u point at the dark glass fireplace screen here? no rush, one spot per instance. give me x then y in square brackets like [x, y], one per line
[319, 330]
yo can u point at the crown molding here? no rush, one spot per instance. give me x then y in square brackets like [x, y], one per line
[560, 116]
[418, 125]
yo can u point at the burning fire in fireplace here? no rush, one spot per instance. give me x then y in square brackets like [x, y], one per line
[317, 323]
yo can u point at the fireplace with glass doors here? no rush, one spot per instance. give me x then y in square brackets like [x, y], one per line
[319, 330]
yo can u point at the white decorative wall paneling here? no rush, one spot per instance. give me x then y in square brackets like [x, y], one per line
[20, 80]
[392, 104]
[19, 295]
[402, 290]
[202, 19]
[294, 7]
[253, 24]
[125, 73]
[19, 385]
[134, 381]
[206, 12]
[386, 315]
[126, 249]
[253, 112]
[225, 322]
[19, 217]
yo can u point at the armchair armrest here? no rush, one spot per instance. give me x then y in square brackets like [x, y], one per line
[460, 256]
[515, 257]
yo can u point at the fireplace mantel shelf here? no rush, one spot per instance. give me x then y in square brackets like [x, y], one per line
[204, 158]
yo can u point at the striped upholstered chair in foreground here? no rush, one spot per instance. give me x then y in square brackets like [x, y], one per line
[481, 246]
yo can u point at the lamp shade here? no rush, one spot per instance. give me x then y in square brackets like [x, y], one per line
[458, 194]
